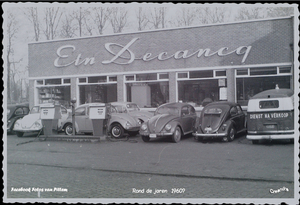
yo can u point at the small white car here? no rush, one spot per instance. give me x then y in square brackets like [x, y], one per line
[33, 123]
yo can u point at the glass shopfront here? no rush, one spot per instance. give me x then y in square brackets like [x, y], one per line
[97, 89]
[54, 91]
[147, 89]
[200, 87]
[251, 81]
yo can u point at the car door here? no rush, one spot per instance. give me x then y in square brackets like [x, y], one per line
[187, 119]
[80, 118]
[242, 118]
[235, 116]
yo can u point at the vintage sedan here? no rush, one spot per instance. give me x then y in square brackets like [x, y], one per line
[220, 120]
[116, 125]
[172, 120]
[133, 110]
[15, 112]
[32, 122]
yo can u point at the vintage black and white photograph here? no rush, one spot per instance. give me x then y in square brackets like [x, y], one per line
[150, 103]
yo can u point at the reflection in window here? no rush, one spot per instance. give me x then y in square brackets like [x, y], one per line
[148, 94]
[97, 93]
[198, 92]
[248, 87]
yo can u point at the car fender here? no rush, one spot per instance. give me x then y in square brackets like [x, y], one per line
[174, 124]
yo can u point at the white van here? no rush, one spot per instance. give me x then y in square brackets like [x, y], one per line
[270, 115]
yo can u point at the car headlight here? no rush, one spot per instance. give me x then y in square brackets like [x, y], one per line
[144, 127]
[224, 127]
[168, 127]
[37, 124]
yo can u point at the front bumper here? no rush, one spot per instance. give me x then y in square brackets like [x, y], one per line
[269, 135]
[26, 130]
[156, 135]
[210, 135]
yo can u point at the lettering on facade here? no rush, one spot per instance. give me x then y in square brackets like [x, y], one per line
[125, 56]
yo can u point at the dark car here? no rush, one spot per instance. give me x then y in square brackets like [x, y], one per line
[172, 120]
[220, 120]
[15, 112]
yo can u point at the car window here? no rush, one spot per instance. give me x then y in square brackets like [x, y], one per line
[25, 110]
[239, 109]
[80, 111]
[19, 111]
[132, 107]
[35, 109]
[233, 111]
[167, 110]
[192, 110]
[184, 111]
[63, 110]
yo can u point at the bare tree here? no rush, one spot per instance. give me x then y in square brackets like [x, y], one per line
[248, 13]
[280, 11]
[32, 15]
[52, 19]
[118, 18]
[158, 17]
[12, 29]
[185, 17]
[101, 15]
[68, 29]
[80, 16]
[142, 18]
[88, 22]
[210, 15]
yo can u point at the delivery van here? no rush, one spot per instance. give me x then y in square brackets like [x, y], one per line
[270, 115]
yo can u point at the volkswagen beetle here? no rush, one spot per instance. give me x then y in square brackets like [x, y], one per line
[33, 123]
[172, 120]
[220, 120]
[132, 109]
[117, 123]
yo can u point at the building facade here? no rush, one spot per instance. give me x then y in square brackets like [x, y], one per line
[231, 61]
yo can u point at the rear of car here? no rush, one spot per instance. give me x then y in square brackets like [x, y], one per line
[270, 115]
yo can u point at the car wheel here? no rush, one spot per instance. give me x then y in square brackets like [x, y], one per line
[116, 131]
[145, 138]
[230, 135]
[68, 128]
[177, 135]
[20, 134]
[255, 141]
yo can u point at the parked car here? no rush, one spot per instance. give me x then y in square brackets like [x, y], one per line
[15, 112]
[270, 115]
[117, 123]
[171, 120]
[220, 120]
[33, 123]
[133, 110]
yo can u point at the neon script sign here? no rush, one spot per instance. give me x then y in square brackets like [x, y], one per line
[125, 56]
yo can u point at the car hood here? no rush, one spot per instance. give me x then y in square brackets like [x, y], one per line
[212, 121]
[28, 120]
[158, 122]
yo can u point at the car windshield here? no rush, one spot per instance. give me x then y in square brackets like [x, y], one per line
[35, 109]
[132, 107]
[213, 111]
[167, 110]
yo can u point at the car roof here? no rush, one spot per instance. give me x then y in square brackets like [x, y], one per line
[122, 103]
[176, 104]
[91, 104]
[18, 105]
[274, 93]
[218, 103]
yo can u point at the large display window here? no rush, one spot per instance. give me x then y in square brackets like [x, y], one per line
[54, 91]
[101, 89]
[201, 87]
[147, 89]
[251, 81]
